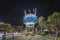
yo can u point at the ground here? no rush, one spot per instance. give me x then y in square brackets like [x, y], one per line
[28, 37]
[35, 37]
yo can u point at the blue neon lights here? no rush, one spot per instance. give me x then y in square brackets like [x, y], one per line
[30, 19]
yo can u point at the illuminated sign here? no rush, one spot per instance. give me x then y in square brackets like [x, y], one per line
[30, 19]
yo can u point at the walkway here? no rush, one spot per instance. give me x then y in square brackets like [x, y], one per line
[36, 37]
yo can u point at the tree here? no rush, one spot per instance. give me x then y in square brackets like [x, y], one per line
[41, 22]
[53, 21]
[6, 27]
[56, 17]
[50, 22]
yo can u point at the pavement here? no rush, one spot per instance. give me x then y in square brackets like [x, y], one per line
[10, 35]
[35, 37]
[22, 36]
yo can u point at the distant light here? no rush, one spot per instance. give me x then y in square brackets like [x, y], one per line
[1, 23]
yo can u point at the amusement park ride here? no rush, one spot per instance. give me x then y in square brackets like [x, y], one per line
[30, 20]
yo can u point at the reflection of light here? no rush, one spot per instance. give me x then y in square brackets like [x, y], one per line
[1, 23]
[29, 23]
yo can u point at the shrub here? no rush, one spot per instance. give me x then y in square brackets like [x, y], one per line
[42, 33]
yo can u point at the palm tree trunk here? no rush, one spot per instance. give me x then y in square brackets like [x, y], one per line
[56, 34]
[41, 28]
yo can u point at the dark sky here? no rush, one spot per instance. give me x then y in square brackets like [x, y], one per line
[13, 11]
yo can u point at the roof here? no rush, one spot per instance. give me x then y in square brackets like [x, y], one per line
[30, 15]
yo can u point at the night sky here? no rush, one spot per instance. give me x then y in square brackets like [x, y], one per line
[13, 11]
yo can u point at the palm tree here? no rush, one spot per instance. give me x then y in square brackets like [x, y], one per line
[41, 22]
[53, 21]
[56, 17]
[50, 22]
[6, 27]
